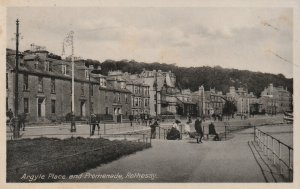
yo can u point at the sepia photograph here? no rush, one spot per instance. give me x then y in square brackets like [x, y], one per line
[149, 94]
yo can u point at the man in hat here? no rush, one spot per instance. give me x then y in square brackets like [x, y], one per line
[94, 123]
[153, 128]
[198, 128]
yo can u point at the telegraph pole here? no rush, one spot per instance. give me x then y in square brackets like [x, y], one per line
[17, 71]
[156, 94]
[73, 125]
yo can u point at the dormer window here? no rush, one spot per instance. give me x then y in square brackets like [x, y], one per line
[123, 86]
[36, 65]
[102, 82]
[46, 66]
[50, 66]
[64, 69]
[86, 73]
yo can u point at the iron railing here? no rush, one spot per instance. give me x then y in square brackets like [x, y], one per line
[273, 148]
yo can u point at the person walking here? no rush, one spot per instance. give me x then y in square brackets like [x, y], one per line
[94, 123]
[9, 114]
[131, 119]
[198, 128]
[153, 129]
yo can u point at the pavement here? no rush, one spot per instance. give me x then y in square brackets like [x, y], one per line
[82, 130]
[183, 161]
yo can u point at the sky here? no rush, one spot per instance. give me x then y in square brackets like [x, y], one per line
[256, 39]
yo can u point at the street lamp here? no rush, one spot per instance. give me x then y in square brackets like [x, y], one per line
[90, 69]
[16, 130]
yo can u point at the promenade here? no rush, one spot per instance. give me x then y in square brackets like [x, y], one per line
[185, 161]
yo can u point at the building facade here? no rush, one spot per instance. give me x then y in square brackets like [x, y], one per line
[45, 89]
[276, 99]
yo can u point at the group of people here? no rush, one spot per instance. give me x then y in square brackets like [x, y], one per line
[142, 119]
[174, 132]
[11, 120]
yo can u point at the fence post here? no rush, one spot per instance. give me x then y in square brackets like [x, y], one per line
[181, 132]
[273, 150]
[225, 131]
[164, 134]
[104, 127]
[267, 147]
[289, 164]
[158, 132]
[280, 166]
[254, 134]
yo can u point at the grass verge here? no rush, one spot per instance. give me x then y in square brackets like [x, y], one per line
[42, 159]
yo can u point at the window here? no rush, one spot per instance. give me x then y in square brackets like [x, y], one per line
[136, 101]
[119, 97]
[6, 80]
[40, 84]
[92, 107]
[26, 105]
[52, 85]
[64, 69]
[106, 110]
[50, 67]
[135, 89]
[86, 73]
[82, 89]
[126, 99]
[92, 90]
[25, 82]
[53, 106]
[115, 99]
[132, 101]
[46, 66]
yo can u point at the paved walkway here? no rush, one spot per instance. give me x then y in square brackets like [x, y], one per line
[83, 130]
[184, 161]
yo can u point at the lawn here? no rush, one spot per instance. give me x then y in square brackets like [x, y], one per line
[38, 158]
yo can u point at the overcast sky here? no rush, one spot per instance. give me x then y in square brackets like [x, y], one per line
[257, 39]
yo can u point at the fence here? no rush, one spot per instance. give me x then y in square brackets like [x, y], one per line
[276, 151]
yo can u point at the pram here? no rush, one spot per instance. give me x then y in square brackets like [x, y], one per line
[173, 134]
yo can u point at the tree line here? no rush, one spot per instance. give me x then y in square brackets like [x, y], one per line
[211, 77]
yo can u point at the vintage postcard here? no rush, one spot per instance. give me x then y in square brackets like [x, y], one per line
[111, 93]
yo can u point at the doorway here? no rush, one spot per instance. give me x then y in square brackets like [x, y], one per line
[41, 107]
[82, 108]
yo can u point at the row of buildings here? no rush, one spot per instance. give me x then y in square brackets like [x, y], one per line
[45, 89]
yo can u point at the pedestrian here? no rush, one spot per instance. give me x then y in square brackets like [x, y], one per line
[130, 119]
[212, 131]
[175, 124]
[9, 114]
[153, 128]
[187, 129]
[198, 128]
[189, 118]
[94, 123]
[146, 119]
[22, 119]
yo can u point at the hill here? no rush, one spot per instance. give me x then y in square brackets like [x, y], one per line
[211, 77]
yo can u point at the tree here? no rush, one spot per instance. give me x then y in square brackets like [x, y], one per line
[229, 108]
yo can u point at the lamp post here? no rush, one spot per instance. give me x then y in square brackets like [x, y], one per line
[90, 69]
[16, 130]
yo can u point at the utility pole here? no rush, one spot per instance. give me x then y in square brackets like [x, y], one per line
[17, 71]
[156, 94]
[73, 124]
